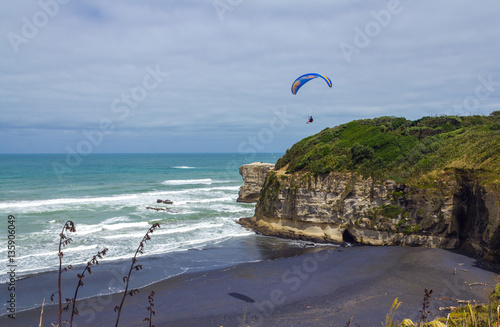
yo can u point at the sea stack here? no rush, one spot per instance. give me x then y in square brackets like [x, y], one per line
[254, 175]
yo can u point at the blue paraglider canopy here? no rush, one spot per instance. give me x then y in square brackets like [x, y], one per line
[301, 80]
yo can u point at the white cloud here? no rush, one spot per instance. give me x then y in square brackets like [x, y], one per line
[225, 76]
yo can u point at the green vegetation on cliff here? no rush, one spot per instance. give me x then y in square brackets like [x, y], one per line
[400, 149]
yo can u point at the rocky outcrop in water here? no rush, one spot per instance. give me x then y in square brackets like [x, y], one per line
[254, 175]
[164, 201]
[456, 209]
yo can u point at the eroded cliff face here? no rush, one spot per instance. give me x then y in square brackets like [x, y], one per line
[452, 210]
[254, 175]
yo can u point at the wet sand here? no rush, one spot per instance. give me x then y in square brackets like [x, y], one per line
[325, 288]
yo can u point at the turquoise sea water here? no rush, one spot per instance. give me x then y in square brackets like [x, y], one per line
[107, 195]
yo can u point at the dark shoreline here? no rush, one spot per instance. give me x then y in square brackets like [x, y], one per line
[324, 288]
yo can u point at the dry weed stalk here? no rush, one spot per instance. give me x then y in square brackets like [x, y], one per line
[126, 279]
[63, 241]
[425, 306]
[92, 262]
[152, 312]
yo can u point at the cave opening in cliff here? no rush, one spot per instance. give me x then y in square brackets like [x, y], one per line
[470, 213]
[347, 237]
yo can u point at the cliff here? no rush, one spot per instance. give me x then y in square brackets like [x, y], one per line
[254, 175]
[414, 185]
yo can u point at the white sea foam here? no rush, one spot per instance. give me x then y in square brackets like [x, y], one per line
[118, 219]
[117, 202]
[220, 188]
[156, 246]
[168, 230]
[83, 229]
[66, 201]
[195, 201]
[66, 250]
[141, 224]
[122, 243]
[125, 236]
[197, 243]
[187, 181]
[183, 167]
[186, 229]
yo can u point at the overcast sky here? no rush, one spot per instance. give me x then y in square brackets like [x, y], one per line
[215, 76]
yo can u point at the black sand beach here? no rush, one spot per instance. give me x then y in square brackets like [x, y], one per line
[325, 288]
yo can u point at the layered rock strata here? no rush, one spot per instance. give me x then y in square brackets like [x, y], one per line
[454, 210]
[254, 175]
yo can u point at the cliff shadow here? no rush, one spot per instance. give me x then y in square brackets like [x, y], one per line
[470, 215]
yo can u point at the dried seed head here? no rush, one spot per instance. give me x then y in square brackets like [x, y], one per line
[133, 292]
[70, 226]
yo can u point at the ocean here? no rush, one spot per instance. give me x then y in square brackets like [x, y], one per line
[107, 197]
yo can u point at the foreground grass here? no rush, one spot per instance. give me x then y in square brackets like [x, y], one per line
[480, 315]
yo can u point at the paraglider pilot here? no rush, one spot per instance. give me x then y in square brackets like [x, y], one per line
[310, 120]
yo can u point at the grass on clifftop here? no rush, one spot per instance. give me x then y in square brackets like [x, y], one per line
[400, 149]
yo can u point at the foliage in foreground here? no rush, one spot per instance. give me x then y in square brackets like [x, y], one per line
[69, 226]
[465, 316]
[399, 149]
